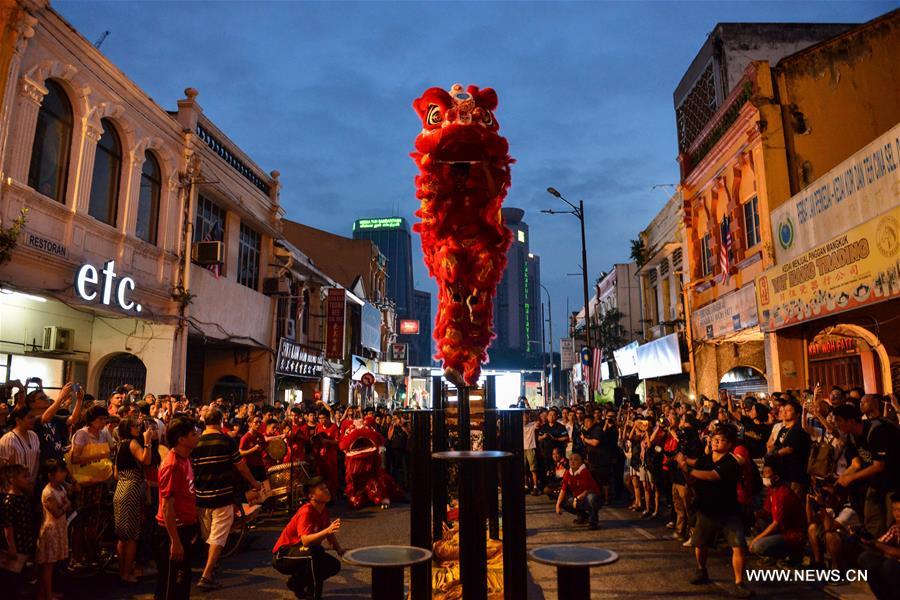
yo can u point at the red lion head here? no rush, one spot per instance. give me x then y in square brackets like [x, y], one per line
[463, 178]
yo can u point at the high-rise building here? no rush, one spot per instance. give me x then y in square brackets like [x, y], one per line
[391, 235]
[421, 346]
[517, 308]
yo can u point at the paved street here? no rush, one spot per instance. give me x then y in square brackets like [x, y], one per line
[651, 564]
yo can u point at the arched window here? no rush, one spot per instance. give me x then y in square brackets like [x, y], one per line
[52, 142]
[148, 202]
[105, 181]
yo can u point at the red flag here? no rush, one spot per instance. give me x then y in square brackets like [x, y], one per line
[725, 250]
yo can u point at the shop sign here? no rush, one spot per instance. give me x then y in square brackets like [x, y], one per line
[852, 193]
[842, 345]
[371, 327]
[90, 287]
[391, 368]
[399, 352]
[729, 314]
[334, 323]
[567, 353]
[46, 245]
[858, 268]
[409, 327]
[297, 360]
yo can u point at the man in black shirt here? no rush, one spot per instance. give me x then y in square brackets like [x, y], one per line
[714, 479]
[214, 461]
[873, 449]
[791, 449]
[550, 435]
[756, 430]
[598, 456]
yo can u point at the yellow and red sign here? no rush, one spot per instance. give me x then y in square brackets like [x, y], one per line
[858, 268]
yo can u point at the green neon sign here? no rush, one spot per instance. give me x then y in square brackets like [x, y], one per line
[386, 223]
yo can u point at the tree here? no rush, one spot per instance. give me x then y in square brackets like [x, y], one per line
[638, 252]
[612, 334]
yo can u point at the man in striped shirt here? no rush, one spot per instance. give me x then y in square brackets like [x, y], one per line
[214, 460]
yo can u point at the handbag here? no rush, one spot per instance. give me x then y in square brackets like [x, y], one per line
[821, 459]
[97, 471]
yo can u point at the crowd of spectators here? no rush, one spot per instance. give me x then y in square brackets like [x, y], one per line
[171, 469]
[793, 478]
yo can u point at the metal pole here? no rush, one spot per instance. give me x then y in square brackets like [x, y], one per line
[472, 538]
[587, 306]
[439, 443]
[515, 567]
[420, 530]
[553, 382]
[464, 418]
[489, 428]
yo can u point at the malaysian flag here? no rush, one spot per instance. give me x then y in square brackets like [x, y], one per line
[725, 250]
[213, 236]
[596, 370]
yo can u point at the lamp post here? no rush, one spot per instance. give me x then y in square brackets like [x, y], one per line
[578, 211]
[550, 322]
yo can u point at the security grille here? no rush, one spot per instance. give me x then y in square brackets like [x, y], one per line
[698, 107]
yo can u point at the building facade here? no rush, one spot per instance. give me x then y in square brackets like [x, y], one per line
[421, 346]
[118, 193]
[360, 317]
[829, 304]
[733, 164]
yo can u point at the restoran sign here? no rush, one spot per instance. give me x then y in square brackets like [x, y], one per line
[857, 268]
[852, 193]
[298, 361]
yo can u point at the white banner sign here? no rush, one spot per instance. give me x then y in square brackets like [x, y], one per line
[854, 192]
[567, 353]
[730, 313]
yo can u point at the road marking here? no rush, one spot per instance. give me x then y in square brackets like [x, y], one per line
[640, 530]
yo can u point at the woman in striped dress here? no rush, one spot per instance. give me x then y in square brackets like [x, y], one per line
[131, 492]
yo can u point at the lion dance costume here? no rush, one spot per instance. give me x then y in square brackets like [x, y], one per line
[463, 178]
[366, 478]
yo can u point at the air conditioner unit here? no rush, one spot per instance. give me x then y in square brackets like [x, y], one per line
[290, 328]
[58, 339]
[208, 253]
[276, 286]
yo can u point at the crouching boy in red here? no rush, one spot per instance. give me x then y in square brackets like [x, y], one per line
[299, 552]
[579, 494]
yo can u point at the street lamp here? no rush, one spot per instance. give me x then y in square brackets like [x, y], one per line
[550, 319]
[578, 211]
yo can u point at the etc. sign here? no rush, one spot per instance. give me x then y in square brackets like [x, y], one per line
[88, 277]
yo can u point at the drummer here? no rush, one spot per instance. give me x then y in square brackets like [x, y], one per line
[297, 436]
[252, 446]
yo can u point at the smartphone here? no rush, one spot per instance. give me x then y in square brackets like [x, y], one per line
[76, 388]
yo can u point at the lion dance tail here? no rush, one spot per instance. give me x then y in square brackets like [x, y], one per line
[464, 175]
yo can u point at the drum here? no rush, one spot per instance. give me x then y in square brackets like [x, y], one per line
[279, 478]
[276, 449]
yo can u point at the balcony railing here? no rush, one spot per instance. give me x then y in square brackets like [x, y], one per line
[236, 163]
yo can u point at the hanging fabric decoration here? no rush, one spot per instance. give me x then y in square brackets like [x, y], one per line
[464, 175]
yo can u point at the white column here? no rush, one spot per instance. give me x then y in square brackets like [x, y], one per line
[28, 104]
[128, 211]
[25, 31]
[87, 150]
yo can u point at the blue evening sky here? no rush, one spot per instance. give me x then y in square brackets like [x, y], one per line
[321, 91]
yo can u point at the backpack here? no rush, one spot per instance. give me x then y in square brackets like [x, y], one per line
[822, 457]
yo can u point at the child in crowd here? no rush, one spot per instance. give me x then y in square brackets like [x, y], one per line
[53, 541]
[16, 522]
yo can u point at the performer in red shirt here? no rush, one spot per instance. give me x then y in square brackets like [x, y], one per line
[326, 440]
[299, 552]
[579, 494]
[177, 517]
[297, 437]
